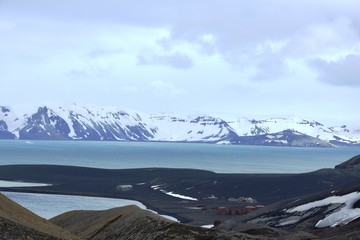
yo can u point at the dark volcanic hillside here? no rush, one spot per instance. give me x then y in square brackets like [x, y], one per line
[325, 217]
[151, 186]
[329, 214]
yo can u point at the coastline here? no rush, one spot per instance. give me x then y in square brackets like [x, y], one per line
[212, 190]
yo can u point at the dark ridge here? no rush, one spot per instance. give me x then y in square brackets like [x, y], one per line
[202, 185]
[351, 163]
[357, 204]
[4, 109]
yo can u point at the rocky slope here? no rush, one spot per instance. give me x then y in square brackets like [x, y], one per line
[134, 223]
[330, 214]
[17, 222]
[87, 122]
[128, 222]
[131, 222]
[326, 215]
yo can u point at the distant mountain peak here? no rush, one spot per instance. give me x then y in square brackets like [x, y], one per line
[91, 122]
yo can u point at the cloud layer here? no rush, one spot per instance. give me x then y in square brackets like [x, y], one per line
[221, 56]
[343, 72]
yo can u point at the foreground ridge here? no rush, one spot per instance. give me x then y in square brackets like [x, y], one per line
[17, 222]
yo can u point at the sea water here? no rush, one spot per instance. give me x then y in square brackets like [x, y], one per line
[117, 155]
[51, 205]
[212, 157]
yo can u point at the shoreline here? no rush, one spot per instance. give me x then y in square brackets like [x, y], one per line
[213, 190]
[72, 202]
[147, 207]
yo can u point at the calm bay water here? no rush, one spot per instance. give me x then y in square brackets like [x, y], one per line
[217, 158]
[51, 205]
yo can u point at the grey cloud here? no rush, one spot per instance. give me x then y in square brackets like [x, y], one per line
[95, 53]
[336, 34]
[270, 67]
[137, 12]
[344, 72]
[88, 71]
[235, 24]
[233, 21]
[176, 60]
[238, 26]
[267, 61]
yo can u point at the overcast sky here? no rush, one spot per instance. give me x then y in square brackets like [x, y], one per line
[246, 58]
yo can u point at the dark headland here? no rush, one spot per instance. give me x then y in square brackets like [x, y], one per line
[242, 206]
[213, 190]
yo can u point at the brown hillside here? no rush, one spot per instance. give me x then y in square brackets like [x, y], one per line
[16, 222]
[134, 223]
[128, 222]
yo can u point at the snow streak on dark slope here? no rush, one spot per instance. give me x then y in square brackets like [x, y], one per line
[85, 122]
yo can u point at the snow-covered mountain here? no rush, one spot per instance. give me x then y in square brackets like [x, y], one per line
[338, 135]
[74, 122]
[88, 122]
[182, 127]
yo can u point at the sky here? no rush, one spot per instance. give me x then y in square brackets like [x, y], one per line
[244, 58]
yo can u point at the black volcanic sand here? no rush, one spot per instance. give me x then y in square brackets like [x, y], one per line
[203, 185]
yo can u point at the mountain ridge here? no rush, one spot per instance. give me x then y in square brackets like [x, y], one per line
[89, 122]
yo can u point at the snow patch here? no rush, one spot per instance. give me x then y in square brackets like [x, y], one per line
[180, 196]
[10, 184]
[341, 217]
[157, 187]
[208, 226]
